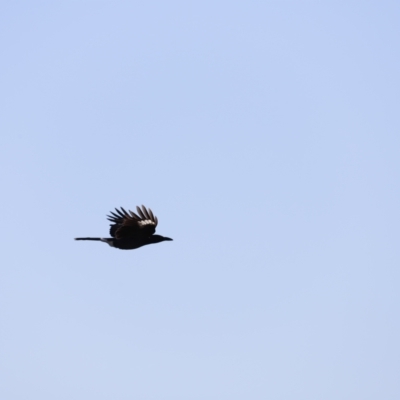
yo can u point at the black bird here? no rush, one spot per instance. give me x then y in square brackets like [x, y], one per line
[130, 231]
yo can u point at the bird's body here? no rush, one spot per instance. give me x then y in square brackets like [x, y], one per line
[130, 231]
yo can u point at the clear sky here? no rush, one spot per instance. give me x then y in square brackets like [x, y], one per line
[265, 136]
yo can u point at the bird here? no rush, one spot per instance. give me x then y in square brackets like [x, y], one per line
[130, 231]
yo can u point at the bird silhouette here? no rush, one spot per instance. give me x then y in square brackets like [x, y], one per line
[130, 231]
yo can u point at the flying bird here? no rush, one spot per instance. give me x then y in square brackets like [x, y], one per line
[130, 231]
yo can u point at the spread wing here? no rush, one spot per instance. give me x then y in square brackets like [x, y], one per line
[130, 225]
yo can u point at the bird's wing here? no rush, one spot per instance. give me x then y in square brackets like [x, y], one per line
[128, 224]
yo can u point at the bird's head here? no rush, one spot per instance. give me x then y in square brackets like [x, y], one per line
[158, 238]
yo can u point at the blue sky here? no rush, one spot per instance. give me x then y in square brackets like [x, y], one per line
[265, 137]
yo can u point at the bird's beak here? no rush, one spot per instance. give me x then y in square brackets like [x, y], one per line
[165, 238]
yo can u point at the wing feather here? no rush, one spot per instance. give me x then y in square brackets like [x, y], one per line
[140, 212]
[133, 215]
[145, 212]
[128, 224]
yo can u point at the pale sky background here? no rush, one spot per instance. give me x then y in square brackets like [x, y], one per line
[265, 135]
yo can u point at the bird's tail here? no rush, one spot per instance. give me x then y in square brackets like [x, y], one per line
[109, 241]
[88, 239]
